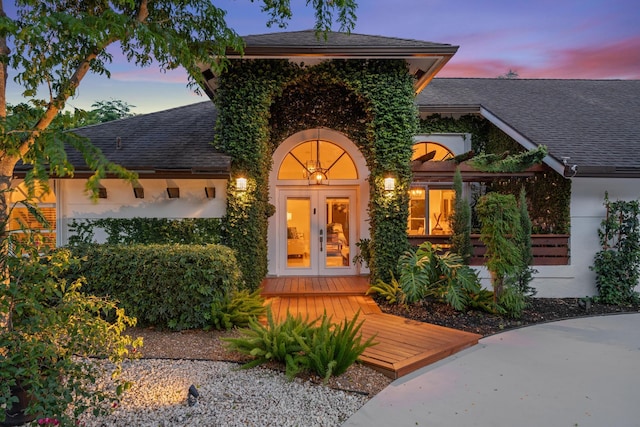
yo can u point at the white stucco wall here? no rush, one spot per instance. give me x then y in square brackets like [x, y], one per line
[587, 211]
[73, 203]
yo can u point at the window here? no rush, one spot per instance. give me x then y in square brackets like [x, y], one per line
[21, 219]
[430, 205]
[431, 151]
[430, 210]
[417, 210]
[317, 156]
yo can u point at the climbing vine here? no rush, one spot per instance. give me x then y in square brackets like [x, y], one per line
[617, 264]
[548, 193]
[261, 103]
[244, 98]
[389, 88]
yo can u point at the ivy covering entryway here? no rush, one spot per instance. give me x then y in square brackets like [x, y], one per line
[262, 102]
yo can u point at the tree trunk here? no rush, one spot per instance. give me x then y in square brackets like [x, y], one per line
[6, 176]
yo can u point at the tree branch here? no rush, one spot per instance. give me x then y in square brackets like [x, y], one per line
[58, 103]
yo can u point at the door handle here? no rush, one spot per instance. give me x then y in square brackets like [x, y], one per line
[321, 239]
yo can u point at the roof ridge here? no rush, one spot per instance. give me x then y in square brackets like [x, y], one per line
[345, 33]
[137, 116]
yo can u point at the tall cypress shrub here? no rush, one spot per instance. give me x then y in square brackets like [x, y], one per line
[461, 222]
[524, 274]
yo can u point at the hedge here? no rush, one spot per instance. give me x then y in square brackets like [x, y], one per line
[169, 286]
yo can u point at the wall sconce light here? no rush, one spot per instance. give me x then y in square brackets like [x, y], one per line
[210, 192]
[102, 193]
[241, 184]
[173, 192]
[389, 184]
[138, 192]
[289, 216]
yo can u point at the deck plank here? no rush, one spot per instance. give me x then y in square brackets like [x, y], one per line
[403, 345]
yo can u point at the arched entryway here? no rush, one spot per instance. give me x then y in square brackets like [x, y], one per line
[319, 188]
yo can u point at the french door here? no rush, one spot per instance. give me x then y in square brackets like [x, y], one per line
[318, 231]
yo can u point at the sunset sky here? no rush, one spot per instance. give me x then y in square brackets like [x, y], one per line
[583, 39]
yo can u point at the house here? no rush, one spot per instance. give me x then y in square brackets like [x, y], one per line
[319, 147]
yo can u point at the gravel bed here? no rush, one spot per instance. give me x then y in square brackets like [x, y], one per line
[227, 397]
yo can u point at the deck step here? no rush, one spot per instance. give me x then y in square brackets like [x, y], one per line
[403, 345]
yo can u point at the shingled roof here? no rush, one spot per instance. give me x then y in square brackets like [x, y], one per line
[593, 123]
[423, 58]
[171, 141]
[308, 41]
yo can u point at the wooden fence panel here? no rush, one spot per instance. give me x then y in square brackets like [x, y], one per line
[548, 249]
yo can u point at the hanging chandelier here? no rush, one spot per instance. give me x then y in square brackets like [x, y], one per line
[314, 172]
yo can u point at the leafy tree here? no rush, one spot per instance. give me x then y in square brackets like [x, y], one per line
[55, 43]
[106, 111]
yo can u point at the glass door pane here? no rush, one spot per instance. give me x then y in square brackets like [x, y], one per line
[337, 232]
[440, 210]
[298, 232]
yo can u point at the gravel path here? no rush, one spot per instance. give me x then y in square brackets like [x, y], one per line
[227, 397]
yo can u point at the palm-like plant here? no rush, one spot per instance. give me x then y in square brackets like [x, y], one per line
[428, 272]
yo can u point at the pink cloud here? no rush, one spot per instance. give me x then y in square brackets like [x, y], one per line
[616, 60]
[620, 59]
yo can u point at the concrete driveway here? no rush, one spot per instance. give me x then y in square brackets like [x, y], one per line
[574, 373]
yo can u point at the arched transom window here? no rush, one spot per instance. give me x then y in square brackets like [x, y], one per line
[317, 160]
[430, 151]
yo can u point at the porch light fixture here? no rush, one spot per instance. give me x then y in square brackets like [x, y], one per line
[210, 192]
[173, 192]
[138, 192]
[241, 184]
[315, 173]
[389, 184]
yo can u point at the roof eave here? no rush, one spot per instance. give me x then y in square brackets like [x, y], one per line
[578, 171]
[143, 173]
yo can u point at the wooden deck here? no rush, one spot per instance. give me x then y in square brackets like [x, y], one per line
[403, 345]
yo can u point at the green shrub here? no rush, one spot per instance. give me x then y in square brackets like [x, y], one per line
[325, 349]
[236, 309]
[392, 292]
[501, 225]
[617, 264]
[364, 252]
[461, 221]
[511, 302]
[524, 272]
[274, 342]
[333, 348]
[170, 286]
[414, 276]
[160, 231]
[49, 327]
[427, 272]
